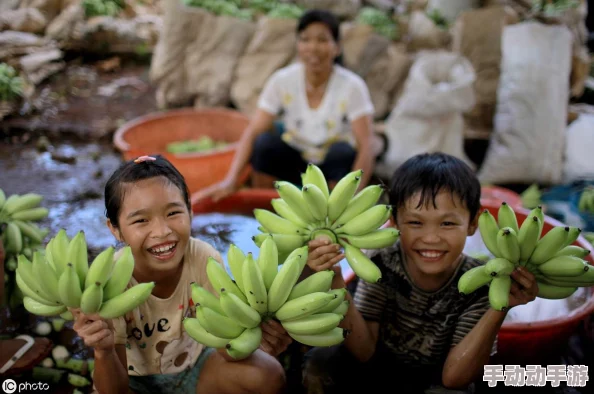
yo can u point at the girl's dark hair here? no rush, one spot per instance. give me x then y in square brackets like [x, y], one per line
[131, 172]
[325, 17]
[431, 173]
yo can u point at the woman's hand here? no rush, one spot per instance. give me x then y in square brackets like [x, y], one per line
[323, 255]
[216, 192]
[95, 331]
[275, 339]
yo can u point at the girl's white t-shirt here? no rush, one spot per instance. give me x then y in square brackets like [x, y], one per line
[313, 131]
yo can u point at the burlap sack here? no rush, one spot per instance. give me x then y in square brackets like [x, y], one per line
[477, 36]
[49, 8]
[212, 57]
[344, 9]
[63, 27]
[422, 33]
[272, 46]
[27, 20]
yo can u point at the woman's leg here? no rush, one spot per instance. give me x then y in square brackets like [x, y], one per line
[338, 162]
[272, 159]
[260, 373]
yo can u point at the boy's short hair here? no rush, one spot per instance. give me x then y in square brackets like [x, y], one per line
[431, 173]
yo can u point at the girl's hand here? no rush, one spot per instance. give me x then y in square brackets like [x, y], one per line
[275, 339]
[95, 331]
[323, 255]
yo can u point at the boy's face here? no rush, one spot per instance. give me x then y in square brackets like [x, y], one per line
[433, 238]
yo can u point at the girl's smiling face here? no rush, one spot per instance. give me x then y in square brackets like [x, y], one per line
[155, 222]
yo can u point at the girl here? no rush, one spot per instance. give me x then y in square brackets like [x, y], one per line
[148, 208]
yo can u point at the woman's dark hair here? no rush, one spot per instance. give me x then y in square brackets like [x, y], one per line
[131, 172]
[325, 17]
[431, 173]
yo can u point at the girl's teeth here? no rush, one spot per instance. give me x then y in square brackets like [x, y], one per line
[163, 249]
[430, 255]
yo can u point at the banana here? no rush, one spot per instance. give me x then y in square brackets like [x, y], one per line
[59, 250]
[14, 244]
[499, 292]
[2, 199]
[30, 230]
[474, 279]
[284, 242]
[564, 266]
[201, 296]
[22, 203]
[363, 267]
[540, 214]
[239, 311]
[316, 201]
[342, 309]
[217, 324]
[69, 287]
[284, 210]
[574, 233]
[284, 282]
[235, 259]
[313, 324]
[120, 275]
[528, 237]
[330, 338]
[40, 309]
[255, 289]
[303, 306]
[49, 258]
[584, 280]
[573, 250]
[318, 282]
[125, 302]
[364, 200]
[33, 214]
[499, 267]
[47, 278]
[377, 239]
[506, 217]
[200, 335]
[77, 255]
[268, 261]
[552, 292]
[28, 292]
[25, 271]
[343, 193]
[549, 245]
[294, 199]
[101, 268]
[489, 228]
[219, 278]
[67, 316]
[508, 245]
[245, 344]
[92, 299]
[367, 221]
[335, 303]
[314, 175]
[277, 224]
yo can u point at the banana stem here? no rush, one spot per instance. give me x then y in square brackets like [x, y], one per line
[324, 233]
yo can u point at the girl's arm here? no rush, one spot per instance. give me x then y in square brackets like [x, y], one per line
[111, 375]
[362, 129]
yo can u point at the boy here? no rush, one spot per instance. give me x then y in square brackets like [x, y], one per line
[413, 331]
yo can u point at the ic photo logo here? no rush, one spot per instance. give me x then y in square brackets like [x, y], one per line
[9, 386]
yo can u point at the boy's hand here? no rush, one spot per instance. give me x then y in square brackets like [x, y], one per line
[275, 339]
[524, 288]
[323, 255]
[95, 331]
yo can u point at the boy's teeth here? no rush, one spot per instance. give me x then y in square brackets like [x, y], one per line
[431, 254]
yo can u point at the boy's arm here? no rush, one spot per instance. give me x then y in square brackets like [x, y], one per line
[363, 326]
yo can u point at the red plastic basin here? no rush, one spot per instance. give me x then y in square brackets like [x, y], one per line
[150, 134]
[495, 195]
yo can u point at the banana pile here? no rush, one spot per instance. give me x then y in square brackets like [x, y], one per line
[558, 265]
[22, 235]
[259, 290]
[60, 277]
[343, 216]
[586, 201]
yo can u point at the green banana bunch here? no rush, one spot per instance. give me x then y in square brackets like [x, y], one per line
[343, 216]
[60, 277]
[586, 201]
[260, 290]
[557, 264]
[22, 235]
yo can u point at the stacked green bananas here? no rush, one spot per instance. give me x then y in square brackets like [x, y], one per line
[18, 213]
[60, 277]
[586, 201]
[557, 264]
[343, 216]
[310, 311]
